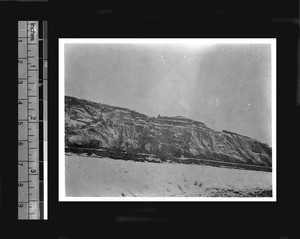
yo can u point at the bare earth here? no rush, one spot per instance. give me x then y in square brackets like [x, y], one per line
[105, 177]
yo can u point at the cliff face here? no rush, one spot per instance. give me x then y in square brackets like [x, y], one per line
[100, 126]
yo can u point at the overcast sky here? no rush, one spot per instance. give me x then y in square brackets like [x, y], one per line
[224, 86]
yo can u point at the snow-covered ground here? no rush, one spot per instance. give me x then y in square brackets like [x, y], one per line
[105, 177]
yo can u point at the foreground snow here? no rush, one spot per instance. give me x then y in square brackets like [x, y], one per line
[96, 177]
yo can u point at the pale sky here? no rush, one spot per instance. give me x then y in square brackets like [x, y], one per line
[225, 86]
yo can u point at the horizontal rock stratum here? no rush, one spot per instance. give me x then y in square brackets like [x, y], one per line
[104, 127]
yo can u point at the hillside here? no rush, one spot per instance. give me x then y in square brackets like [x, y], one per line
[121, 133]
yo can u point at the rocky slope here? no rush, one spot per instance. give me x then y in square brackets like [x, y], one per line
[124, 133]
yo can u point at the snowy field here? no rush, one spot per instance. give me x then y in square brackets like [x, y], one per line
[105, 177]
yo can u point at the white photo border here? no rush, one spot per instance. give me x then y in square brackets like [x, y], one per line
[63, 41]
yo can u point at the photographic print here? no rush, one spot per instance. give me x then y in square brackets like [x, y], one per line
[167, 120]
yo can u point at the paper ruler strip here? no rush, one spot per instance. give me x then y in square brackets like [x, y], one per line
[32, 117]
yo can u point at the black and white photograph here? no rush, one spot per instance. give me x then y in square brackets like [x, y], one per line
[150, 118]
[167, 119]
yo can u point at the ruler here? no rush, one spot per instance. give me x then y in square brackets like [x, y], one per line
[32, 119]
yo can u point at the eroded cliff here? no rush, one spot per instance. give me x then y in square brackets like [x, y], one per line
[127, 133]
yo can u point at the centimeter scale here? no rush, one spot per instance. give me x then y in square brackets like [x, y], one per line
[32, 120]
